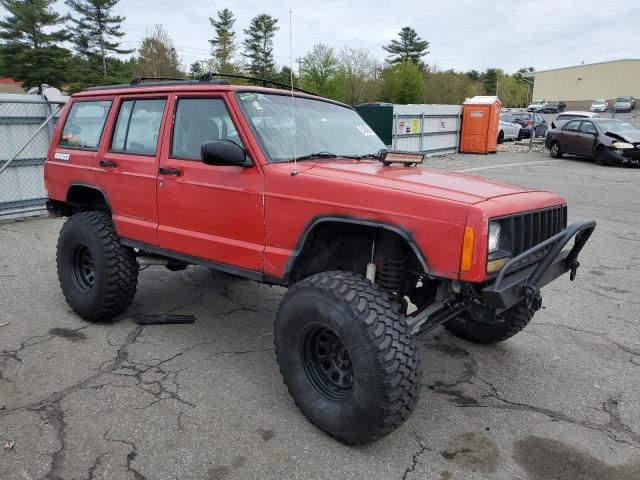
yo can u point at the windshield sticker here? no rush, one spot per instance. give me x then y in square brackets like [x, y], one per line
[257, 106]
[365, 130]
[247, 96]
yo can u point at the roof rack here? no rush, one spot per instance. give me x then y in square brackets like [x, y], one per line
[209, 76]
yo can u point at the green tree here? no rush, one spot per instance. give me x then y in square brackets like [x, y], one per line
[258, 45]
[319, 70]
[490, 80]
[96, 29]
[32, 33]
[449, 87]
[402, 83]
[410, 47]
[196, 71]
[157, 56]
[223, 45]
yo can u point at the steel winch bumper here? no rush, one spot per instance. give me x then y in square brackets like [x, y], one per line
[515, 284]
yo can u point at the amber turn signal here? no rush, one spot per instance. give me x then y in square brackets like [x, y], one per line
[467, 250]
[494, 266]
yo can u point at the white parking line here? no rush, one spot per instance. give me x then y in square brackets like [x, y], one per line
[491, 167]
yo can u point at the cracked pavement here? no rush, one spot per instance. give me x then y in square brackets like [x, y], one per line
[116, 400]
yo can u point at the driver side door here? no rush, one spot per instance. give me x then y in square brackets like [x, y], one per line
[212, 212]
[569, 137]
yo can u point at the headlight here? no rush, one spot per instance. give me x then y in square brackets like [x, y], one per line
[494, 236]
[621, 145]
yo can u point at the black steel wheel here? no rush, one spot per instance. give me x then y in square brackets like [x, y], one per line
[327, 362]
[97, 274]
[346, 357]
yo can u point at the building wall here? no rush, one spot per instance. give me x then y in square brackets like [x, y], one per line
[585, 83]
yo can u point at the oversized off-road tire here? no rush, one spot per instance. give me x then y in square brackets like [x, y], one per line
[554, 149]
[97, 274]
[346, 357]
[511, 322]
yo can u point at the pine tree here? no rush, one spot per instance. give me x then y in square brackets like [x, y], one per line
[196, 71]
[97, 29]
[32, 32]
[258, 45]
[410, 47]
[223, 45]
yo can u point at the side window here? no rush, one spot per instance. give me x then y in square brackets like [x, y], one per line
[588, 127]
[572, 126]
[198, 120]
[138, 126]
[84, 124]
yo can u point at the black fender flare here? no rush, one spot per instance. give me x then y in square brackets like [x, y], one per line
[403, 233]
[90, 187]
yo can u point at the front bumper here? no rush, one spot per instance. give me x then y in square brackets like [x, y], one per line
[631, 158]
[512, 287]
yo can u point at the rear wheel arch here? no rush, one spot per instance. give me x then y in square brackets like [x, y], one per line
[85, 197]
[328, 241]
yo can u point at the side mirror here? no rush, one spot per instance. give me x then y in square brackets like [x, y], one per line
[223, 152]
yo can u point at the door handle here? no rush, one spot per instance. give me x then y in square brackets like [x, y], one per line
[169, 171]
[108, 163]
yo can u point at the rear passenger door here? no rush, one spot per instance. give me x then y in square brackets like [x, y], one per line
[569, 138]
[213, 212]
[128, 166]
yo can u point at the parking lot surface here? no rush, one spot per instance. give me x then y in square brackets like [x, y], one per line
[561, 400]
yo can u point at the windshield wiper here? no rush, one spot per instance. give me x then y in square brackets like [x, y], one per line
[311, 156]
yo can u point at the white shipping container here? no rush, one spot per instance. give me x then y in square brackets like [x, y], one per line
[426, 128]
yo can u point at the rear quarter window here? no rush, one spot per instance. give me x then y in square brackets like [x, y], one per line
[84, 125]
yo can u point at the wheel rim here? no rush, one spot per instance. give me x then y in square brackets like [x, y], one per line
[554, 149]
[83, 270]
[327, 363]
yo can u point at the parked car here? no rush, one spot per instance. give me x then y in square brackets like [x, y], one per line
[530, 121]
[600, 105]
[608, 141]
[202, 172]
[536, 106]
[554, 107]
[509, 129]
[624, 104]
[566, 116]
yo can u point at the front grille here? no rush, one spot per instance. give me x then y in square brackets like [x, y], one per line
[528, 229]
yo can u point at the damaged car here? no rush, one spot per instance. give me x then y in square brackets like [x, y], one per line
[608, 141]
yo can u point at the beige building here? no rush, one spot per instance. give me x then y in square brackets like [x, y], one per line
[578, 86]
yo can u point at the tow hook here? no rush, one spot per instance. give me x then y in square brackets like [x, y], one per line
[574, 269]
[532, 297]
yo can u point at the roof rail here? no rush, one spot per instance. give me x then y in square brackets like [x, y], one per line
[207, 77]
[139, 80]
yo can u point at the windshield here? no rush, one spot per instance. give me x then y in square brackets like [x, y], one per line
[320, 127]
[599, 102]
[615, 127]
[623, 99]
[537, 102]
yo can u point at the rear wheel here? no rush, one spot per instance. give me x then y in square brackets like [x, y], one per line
[520, 135]
[97, 274]
[554, 149]
[346, 357]
[509, 323]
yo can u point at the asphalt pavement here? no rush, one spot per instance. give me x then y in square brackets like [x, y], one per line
[561, 400]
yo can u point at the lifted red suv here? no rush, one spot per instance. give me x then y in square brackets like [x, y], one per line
[292, 189]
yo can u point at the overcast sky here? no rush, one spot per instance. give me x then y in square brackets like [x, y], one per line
[463, 34]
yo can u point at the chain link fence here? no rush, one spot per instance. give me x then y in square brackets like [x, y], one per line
[26, 126]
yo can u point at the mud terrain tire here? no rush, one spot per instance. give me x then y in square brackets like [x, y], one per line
[513, 321]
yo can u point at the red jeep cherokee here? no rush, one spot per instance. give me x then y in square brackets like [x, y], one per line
[291, 189]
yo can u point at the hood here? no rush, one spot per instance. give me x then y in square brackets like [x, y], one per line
[432, 182]
[631, 136]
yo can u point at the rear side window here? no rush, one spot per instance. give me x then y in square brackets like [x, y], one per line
[197, 121]
[138, 126]
[84, 124]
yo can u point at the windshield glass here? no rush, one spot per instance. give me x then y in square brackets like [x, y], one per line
[615, 127]
[623, 99]
[537, 102]
[599, 102]
[320, 127]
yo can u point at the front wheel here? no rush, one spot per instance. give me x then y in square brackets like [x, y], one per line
[346, 357]
[501, 137]
[508, 323]
[97, 274]
[599, 156]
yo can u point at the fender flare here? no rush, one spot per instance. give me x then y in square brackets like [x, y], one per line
[404, 234]
[91, 187]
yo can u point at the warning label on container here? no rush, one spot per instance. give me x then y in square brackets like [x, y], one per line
[408, 126]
